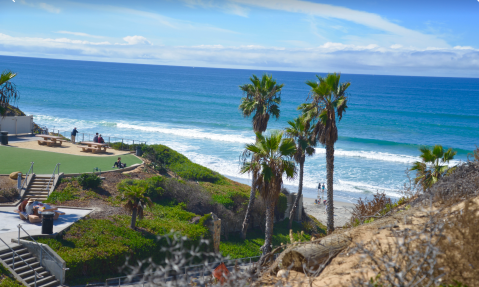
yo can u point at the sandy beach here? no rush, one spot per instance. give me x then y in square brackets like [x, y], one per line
[342, 211]
[66, 147]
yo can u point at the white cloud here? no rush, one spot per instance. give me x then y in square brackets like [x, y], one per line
[395, 34]
[330, 57]
[44, 6]
[137, 40]
[79, 34]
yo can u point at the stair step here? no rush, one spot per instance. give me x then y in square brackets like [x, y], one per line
[29, 272]
[38, 188]
[52, 283]
[42, 281]
[26, 267]
[31, 277]
[21, 263]
[9, 252]
[25, 256]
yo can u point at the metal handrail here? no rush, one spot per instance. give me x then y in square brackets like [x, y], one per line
[65, 134]
[41, 249]
[13, 262]
[186, 267]
[28, 173]
[53, 175]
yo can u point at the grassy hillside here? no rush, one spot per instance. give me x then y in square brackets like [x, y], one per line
[183, 193]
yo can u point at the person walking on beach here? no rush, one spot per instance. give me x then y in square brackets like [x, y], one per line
[74, 134]
[323, 188]
[95, 138]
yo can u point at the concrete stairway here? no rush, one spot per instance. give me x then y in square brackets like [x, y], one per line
[22, 270]
[37, 189]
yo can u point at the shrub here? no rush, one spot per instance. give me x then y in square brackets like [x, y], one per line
[89, 180]
[68, 193]
[163, 158]
[154, 186]
[380, 205]
[282, 203]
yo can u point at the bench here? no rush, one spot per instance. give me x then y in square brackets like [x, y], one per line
[84, 148]
[51, 143]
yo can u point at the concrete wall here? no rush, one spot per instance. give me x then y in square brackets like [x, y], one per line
[50, 261]
[17, 125]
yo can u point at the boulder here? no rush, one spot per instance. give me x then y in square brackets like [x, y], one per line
[14, 175]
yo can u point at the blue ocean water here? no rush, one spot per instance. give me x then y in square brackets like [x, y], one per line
[195, 111]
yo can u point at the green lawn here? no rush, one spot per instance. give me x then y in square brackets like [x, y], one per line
[18, 159]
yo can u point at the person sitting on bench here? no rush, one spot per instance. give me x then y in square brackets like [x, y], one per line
[119, 164]
[100, 139]
[21, 207]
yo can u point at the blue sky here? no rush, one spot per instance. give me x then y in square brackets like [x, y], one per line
[422, 37]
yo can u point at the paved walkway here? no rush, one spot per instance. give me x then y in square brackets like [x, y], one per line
[9, 221]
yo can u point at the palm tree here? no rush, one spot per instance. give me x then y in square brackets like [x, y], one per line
[433, 165]
[8, 91]
[136, 201]
[302, 133]
[262, 101]
[329, 101]
[270, 158]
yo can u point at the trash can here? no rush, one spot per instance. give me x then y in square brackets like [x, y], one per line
[47, 222]
[4, 138]
[139, 152]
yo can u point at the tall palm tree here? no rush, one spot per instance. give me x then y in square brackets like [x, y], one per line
[433, 165]
[8, 91]
[136, 201]
[329, 101]
[262, 101]
[270, 158]
[302, 133]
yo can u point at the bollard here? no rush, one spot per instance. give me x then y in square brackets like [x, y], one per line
[19, 181]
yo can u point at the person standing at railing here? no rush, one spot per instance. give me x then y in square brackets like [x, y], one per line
[74, 134]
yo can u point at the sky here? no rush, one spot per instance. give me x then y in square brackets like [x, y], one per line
[383, 37]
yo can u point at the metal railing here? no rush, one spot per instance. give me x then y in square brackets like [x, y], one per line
[82, 137]
[18, 255]
[192, 268]
[27, 175]
[53, 175]
[41, 250]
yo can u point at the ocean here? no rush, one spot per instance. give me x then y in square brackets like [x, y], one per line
[195, 111]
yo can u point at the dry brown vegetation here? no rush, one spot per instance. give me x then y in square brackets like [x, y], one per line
[435, 242]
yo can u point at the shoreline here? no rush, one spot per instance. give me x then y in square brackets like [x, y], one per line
[342, 209]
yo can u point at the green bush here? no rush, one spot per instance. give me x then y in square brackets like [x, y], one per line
[236, 247]
[282, 203]
[95, 247]
[154, 186]
[68, 193]
[165, 157]
[6, 280]
[89, 180]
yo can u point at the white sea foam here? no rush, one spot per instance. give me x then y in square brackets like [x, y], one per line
[227, 136]
[383, 156]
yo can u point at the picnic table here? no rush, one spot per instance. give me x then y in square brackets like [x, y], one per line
[94, 147]
[50, 140]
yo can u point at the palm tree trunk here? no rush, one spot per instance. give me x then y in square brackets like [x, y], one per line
[249, 209]
[300, 192]
[266, 248]
[329, 177]
[133, 216]
[247, 215]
